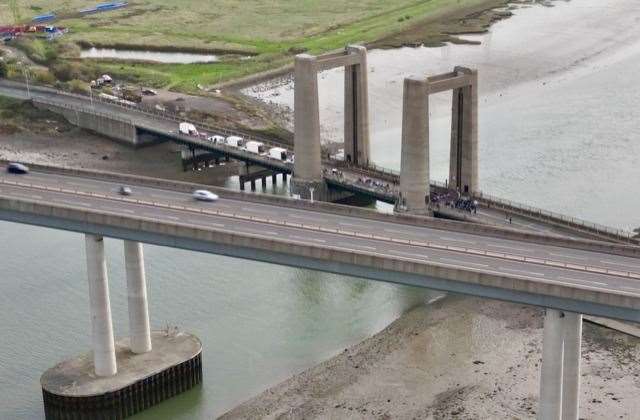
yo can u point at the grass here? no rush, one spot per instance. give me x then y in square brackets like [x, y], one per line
[271, 29]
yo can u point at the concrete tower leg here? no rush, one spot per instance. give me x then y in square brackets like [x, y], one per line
[571, 366]
[414, 170]
[104, 355]
[308, 162]
[137, 298]
[551, 372]
[356, 108]
[463, 172]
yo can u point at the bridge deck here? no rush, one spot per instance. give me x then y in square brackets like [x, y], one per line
[383, 249]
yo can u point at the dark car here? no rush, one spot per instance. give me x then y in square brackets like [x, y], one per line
[17, 168]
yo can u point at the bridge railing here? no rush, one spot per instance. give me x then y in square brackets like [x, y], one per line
[76, 108]
[591, 227]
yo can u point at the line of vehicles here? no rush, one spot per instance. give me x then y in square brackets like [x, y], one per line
[252, 146]
[200, 195]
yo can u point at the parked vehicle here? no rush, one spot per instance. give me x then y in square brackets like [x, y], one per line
[17, 168]
[235, 141]
[124, 190]
[204, 195]
[278, 153]
[188, 129]
[255, 147]
[216, 139]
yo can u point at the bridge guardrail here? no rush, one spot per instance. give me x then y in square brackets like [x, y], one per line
[427, 244]
[80, 109]
[591, 227]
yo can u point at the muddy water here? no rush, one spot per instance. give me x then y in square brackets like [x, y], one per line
[559, 108]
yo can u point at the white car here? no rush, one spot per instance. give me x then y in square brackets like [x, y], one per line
[204, 195]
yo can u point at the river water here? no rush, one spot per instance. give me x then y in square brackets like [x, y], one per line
[558, 128]
[155, 56]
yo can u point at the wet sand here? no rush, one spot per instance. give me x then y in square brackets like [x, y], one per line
[459, 358]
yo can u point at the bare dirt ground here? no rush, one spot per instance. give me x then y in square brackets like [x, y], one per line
[460, 358]
[49, 139]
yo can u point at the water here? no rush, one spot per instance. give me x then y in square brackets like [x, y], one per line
[558, 112]
[558, 108]
[155, 56]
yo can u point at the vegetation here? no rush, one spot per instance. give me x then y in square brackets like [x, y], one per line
[270, 31]
[3, 69]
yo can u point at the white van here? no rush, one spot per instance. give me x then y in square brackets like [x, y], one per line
[188, 129]
[278, 153]
[256, 147]
[235, 141]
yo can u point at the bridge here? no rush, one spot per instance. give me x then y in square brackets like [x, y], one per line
[567, 275]
[571, 276]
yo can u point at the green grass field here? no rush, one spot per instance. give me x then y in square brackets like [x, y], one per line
[271, 29]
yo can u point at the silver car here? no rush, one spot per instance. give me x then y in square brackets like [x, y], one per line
[204, 195]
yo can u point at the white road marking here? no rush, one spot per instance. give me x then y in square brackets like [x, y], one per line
[521, 271]
[634, 289]
[511, 248]
[620, 264]
[372, 248]
[445, 238]
[453, 260]
[258, 210]
[261, 232]
[393, 251]
[394, 231]
[351, 224]
[583, 281]
[127, 211]
[568, 256]
[302, 238]
[314, 219]
[161, 216]
[37, 197]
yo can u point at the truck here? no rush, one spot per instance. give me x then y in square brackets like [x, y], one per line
[255, 147]
[188, 129]
[235, 141]
[278, 153]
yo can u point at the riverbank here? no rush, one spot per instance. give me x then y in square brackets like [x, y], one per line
[458, 358]
[250, 39]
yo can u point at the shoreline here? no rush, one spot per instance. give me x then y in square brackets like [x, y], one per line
[458, 358]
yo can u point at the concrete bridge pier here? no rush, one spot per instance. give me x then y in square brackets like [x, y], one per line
[414, 172]
[560, 371]
[356, 107]
[463, 164]
[104, 355]
[140, 330]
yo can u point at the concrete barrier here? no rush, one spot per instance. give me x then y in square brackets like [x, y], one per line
[445, 225]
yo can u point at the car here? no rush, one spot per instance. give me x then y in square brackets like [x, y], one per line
[124, 190]
[204, 195]
[17, 168]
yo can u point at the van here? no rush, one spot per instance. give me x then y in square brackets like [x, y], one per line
[278, 153]
[188, 129]
[235, 141]
[255, 147]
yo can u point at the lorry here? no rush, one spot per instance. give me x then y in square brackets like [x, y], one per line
[235, 141]
[278, 153]
[255, 147]
[188, 129]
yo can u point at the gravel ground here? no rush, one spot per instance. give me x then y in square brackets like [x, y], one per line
[459, 358]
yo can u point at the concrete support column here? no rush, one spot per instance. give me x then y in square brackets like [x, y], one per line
[308, 164]
[571, 366]
[463, 167]
[356, 108]
[550, 406]
[140, 330]
[104, 355]
[414, 169]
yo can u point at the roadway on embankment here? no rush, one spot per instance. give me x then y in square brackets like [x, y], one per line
[549, 264]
